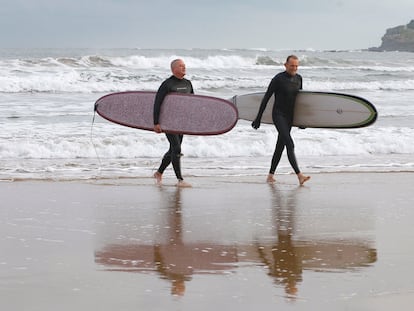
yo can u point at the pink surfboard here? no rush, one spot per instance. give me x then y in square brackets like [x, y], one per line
[180, 113]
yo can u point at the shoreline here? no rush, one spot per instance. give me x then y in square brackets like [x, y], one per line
[202, 179]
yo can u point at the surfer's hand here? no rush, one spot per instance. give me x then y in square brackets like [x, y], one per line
[256, 124]
[157, 128]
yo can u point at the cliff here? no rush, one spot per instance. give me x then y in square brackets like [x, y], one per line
[400, 38]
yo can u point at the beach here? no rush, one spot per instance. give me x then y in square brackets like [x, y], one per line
[83, 225]
[341, 242]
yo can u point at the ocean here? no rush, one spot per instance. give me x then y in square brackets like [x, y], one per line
[48, 130]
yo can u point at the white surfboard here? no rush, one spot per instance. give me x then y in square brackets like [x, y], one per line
[314, 109]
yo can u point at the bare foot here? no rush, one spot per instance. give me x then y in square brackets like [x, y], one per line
[158, 178]
[270, 179]
[183, 184]
[302, 178]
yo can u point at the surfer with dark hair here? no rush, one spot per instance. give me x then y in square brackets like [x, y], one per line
[175, 83]
[285, 86]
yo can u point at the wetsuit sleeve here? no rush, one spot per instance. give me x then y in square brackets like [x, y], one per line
[192, 89]
[266, 97]
[159, 98]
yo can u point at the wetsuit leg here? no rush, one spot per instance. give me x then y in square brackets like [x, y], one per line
[280, 146]
[166, 160]
[173, 155]
[283, 126]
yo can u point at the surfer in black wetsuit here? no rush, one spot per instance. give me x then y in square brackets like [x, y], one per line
[175, 83]
[285, 87]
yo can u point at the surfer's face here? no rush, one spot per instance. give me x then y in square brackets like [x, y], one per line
[178, 69]
[292, 66]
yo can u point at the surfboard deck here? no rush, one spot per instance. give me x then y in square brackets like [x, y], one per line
[314, 109]
[180, 113]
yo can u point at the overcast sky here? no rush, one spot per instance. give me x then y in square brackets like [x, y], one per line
[271, 24]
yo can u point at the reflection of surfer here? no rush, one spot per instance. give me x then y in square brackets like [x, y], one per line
[170, 272]
[174, 258]
[174, 268]
[285, 265]
[177, 260]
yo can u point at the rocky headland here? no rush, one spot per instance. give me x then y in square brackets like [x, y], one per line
[400, 38]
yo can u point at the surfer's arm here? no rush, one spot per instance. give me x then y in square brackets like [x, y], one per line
[157, 108]
[159, 98]
[263, 104]
[192, 89]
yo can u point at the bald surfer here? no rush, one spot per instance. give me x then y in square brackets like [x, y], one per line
[175, 83]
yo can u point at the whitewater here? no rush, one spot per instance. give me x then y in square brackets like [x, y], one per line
[48, 129]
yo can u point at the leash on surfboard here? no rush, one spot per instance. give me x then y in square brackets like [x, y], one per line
[92, 142]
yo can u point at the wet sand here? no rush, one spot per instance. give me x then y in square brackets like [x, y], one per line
[341, 242]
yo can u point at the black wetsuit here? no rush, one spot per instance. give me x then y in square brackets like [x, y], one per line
[172, 84]
[285, 88]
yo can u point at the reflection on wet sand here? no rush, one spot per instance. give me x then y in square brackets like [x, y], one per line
[281, 258]
[284, 256]
[175, 260]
